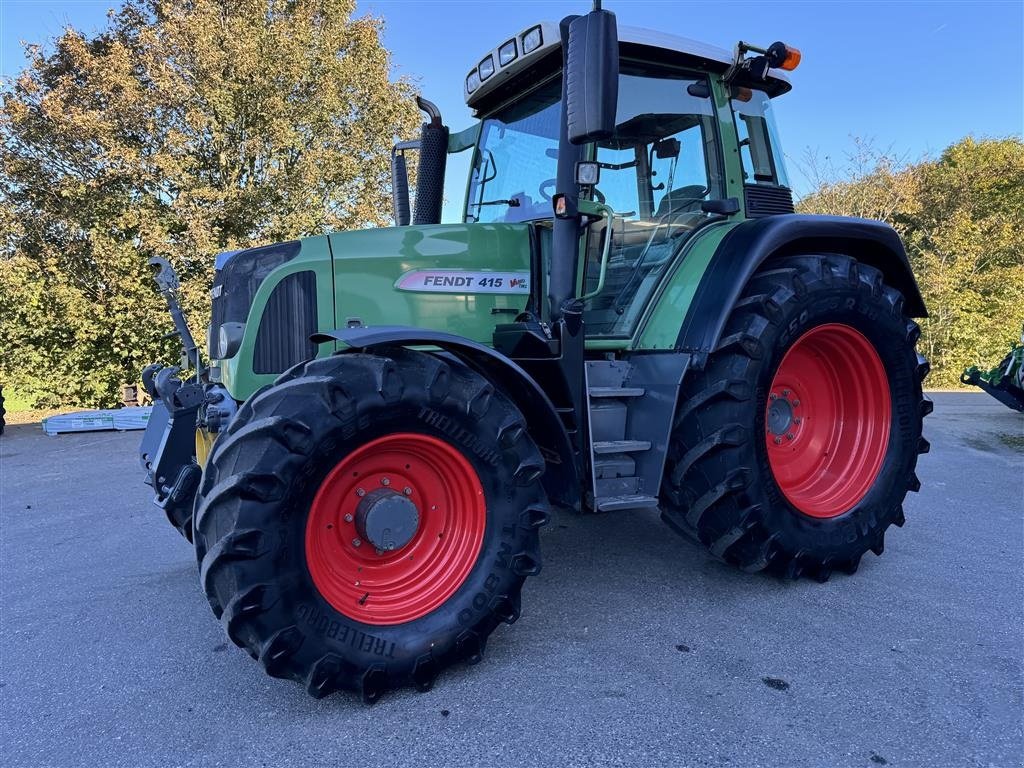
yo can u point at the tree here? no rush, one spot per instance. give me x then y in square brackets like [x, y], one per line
[183, 129]
[961, 218]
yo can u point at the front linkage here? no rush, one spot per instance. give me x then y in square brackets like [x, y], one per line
[182, 408]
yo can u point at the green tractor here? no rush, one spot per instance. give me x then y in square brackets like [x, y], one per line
[629, 318]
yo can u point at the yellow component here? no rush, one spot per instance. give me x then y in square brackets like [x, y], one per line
[204, 444]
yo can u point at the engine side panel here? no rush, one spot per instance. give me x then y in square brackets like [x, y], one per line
[461, 279]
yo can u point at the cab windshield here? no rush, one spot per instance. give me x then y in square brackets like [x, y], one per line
[513, 174]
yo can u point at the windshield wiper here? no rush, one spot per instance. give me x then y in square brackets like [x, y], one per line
[513, 203]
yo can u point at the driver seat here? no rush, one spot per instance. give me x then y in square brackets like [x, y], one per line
[681, 200]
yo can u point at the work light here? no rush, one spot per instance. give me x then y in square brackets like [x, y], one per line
[472, 81]
[486, 68]
[588, 173]
[507, 53]
[532, 39]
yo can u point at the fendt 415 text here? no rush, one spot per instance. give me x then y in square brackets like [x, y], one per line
[629, 318]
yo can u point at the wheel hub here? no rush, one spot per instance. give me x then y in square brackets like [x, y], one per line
[386, 519]
[780, 415]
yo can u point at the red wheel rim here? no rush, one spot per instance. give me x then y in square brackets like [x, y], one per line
[374, 586]
[827, 420]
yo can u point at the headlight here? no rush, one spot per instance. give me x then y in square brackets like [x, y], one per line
[486, 68]
[229, 340]
[507, 53]
[532, 40]
[473, 81]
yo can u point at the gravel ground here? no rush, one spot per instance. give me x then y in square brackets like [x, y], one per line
[634, 647]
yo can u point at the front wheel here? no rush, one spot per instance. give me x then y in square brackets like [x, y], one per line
[369, 520]
[794, 448]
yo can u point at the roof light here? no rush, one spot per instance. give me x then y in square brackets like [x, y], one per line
[532, 39]
[781, 56]
[486, 67]
[792, 60]
[507, 53]
[472, 81]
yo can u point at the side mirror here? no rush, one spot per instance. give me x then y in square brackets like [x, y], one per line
[592, 77]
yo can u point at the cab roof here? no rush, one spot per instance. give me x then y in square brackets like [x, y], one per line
[636, 42]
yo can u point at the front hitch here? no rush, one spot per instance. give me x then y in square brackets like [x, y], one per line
[168, 449]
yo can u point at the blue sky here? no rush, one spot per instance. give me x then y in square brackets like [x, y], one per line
[910, 76]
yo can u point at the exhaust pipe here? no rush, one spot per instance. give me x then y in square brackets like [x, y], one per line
[433, 159]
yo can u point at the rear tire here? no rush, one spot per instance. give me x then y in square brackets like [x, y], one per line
[727, 484]
[274, 544]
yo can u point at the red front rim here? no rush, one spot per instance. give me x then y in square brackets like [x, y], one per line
[374, 586]
[827, 420]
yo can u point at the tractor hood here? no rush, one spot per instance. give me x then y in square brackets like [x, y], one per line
[458, 278]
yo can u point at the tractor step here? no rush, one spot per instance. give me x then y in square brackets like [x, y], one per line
[614, 481]
[630, 405]
[621, 446]
[617, 503]
[616, 391]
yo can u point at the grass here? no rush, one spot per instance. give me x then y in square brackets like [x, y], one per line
[20, 410]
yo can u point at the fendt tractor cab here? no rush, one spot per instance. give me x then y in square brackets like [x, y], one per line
[628, 318]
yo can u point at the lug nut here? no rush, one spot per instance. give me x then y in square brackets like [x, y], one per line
[357, 542]
[385, 481]
[773, 396]
[786, 393]
[778, 441]
[407, 491]
[797, 420]
[380, 551]
[360, 492]
[790, 435]
[796, 403]
[348, 518]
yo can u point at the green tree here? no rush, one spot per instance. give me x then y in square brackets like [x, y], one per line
[182, 129]
[961, 218]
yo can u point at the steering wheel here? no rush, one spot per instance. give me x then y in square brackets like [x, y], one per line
[550, 184]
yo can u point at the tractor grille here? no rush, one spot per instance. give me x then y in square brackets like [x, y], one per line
[767, 200]
[236, 283]
[289, 319]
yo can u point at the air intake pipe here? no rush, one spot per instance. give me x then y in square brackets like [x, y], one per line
[400, 187]
[433, 159]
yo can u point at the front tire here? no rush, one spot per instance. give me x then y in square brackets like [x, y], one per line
[369, 520]
[793, 449]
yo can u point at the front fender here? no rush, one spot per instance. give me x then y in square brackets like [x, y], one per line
[561, 478]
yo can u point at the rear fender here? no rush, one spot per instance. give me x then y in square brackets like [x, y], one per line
[750, 244]
[561, 478]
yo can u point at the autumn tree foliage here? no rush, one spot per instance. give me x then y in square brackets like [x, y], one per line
[961, 217]
[185, 128]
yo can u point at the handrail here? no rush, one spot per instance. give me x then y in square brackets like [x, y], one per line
[610, 215]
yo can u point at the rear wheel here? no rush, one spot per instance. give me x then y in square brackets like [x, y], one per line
[794, 448]
[369, 520]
